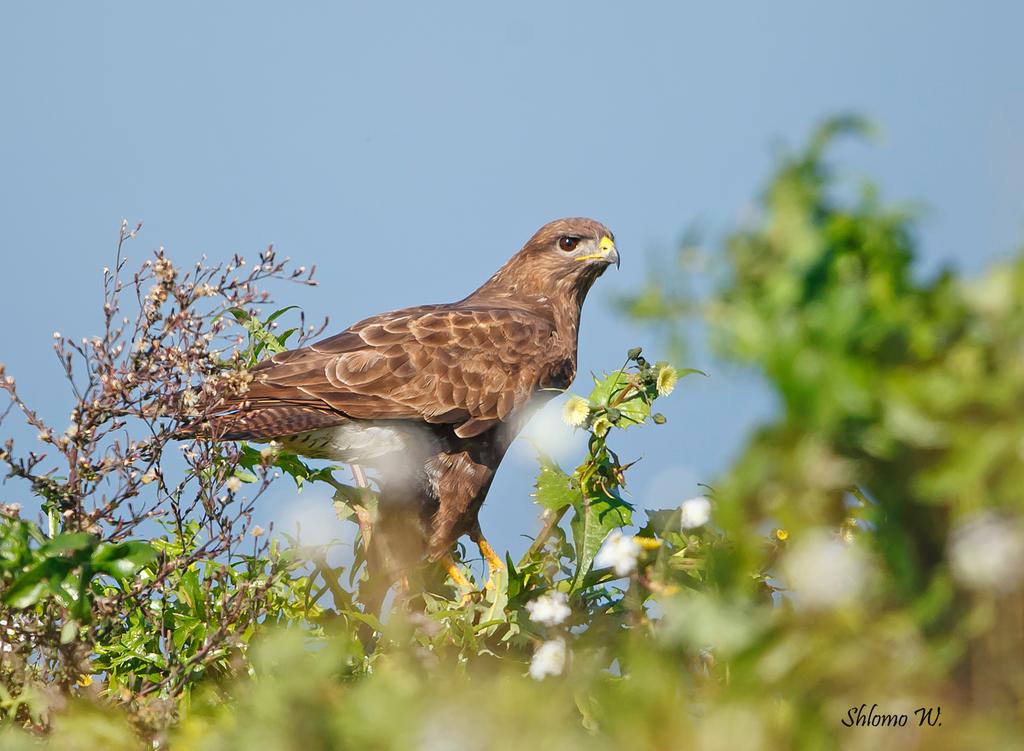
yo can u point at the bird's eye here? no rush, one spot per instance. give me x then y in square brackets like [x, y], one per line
[568, 244]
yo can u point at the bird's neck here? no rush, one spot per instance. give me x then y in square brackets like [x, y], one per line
[539, 290]
[561, 302]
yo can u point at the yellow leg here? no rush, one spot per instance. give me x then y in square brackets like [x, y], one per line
[492, 558]
[460, 580]
[494, 562]
[456, 573]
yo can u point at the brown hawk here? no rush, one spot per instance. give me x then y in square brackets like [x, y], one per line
[432, 396]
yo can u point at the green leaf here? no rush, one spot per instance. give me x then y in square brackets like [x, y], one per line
[69, 632]
[123, 559]
[352, 496]
[554, 489]
[261, 338]
[496, 600]
[516, 578]
[664, 521]
[81, 608]
[26, 590]
[245, 476]
[278, 313]
[608, 394]
[68, 542]
[284, 336]
[291, 465]
[368, 618]
[343, 510]
[249, 458]
[593, 519]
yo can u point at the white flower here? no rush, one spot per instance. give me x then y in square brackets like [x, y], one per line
[695, 512]
[550, 609]
[987, 552]
[575, 411]
[549, 659]
[619, 552]
[233, 484]
[824, 572]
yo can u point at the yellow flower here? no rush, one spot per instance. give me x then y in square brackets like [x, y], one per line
[647, 543]
[782, 534]
[575, 411]
[601, 426]
[667, 377]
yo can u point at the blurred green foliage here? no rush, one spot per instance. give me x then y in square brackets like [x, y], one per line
[901, 417]
[866, 548]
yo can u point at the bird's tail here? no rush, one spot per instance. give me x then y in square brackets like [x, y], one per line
[260, 424]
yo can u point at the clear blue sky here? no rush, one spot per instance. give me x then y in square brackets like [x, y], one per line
[421, 144]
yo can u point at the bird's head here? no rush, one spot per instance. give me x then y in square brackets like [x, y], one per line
[573, 245]
[564, 257]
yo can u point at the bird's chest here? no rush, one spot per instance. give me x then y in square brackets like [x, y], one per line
[362, 442]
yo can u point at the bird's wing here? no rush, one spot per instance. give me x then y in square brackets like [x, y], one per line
[471, 367]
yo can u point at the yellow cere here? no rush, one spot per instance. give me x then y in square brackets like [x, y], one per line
[606, 246]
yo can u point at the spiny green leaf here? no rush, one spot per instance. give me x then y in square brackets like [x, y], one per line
[291, 465]
[554, 488]
[593, 519]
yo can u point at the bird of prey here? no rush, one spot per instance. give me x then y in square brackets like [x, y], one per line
[432, 396]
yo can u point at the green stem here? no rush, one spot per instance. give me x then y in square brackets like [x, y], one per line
[543, 536]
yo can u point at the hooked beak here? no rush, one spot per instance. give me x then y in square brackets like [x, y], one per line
[606, 252]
